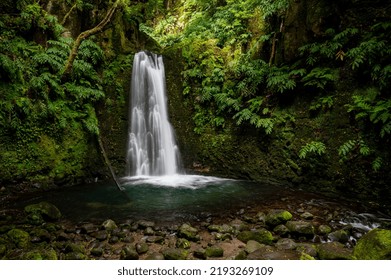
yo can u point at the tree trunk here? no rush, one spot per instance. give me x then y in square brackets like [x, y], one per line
[85, 34]
[68, 14]
[108, 164]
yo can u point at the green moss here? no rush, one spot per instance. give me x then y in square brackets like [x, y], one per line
[19, 238]
[175, 254]
[47, 159]
[47, 210]
[262, 236]
[277, 217]
[305, 256]
[33, 255]
[183, 243]
[214, 252]
[334, 251]
[3, 250]
[375, 245]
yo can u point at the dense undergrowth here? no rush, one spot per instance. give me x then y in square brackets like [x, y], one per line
[235, 77]
[46, 120]
[234, 72]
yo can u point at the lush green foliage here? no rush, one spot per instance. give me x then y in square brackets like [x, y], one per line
[367, 53]
[224, 73]
[314, 147]
[232, 75]
[39, 111]
[351, 150]
[370, 107]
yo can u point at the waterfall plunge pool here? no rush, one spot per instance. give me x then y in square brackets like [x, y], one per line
[192, 198]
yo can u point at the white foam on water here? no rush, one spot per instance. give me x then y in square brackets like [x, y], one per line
[175, 181]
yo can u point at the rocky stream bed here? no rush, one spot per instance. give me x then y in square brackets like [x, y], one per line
[304, 230]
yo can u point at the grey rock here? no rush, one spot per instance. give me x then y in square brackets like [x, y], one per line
[199, 253]
[142, 248]
[144, 224]
[324, 229]
[270, 253]
[286, 244]
[109, 225]
[301, 228]
[214, 252]
[339, 235]
[155, 256]
[281, 230]
[175, 254]
[47, 210]
[334, 251]
[100, 235]
[277, 217]
[262, 236]
[309, 249]
[307, 216]
[183, 243]
[252, 246]
[155, 239]
[149, 231]
[129, 253]
[188, 232]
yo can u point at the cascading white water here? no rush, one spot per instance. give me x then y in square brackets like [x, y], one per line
[152, 150]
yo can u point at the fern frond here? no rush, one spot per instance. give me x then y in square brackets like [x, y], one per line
[347, 147]
[314, 147]
[377, 164]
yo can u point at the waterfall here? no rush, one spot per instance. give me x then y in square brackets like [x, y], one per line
[152, 150]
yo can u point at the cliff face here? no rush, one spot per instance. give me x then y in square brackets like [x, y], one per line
[232, 150]
[245, 152]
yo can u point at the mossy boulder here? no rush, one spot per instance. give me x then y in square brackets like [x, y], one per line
[334, 251]
[252, 246]
[262, 236]
[200, 253]
[188, 232]
[183, 243]
[221, 228]
[109, 225]
[339, 235]
[41, 254]
[19, 238]
[48, 211]
[241, 255]
[277, 217]
[129, 253]
[3, 250]
[155, 256]
[286, 244]
[324, 229]
[40, 235]
[75, 248]
[175, 254]
[272, 253]
[214, 252]
[301, 228]
[142, 248]
[375, 245]
[75, 256]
